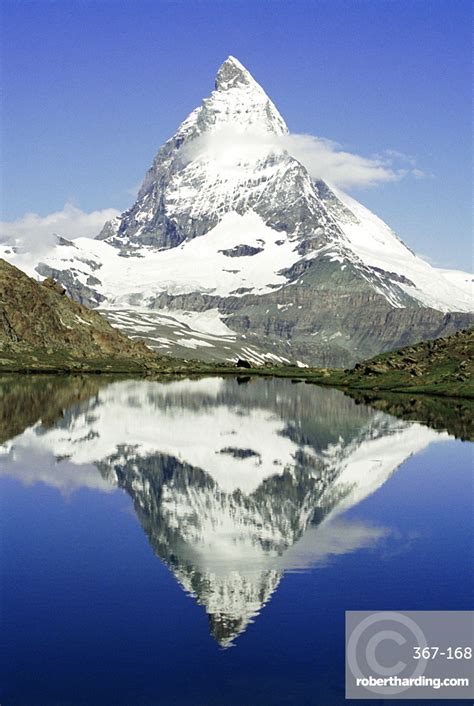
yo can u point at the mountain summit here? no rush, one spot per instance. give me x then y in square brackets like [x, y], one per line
[233, 74]
[231, 248]
[221, 156]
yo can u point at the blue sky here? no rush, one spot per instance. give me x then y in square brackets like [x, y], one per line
[93, 88]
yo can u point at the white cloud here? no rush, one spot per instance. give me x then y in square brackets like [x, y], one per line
[322, 158]
[331, 538]
[34, 233]
[397, 156]
[326, 160]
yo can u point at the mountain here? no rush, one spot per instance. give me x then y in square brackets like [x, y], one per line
[231, 248]
[258, 487]
[40, 327]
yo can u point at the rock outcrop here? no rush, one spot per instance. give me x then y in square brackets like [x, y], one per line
[40, 326]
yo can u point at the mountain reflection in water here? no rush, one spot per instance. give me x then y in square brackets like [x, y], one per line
[233, 484]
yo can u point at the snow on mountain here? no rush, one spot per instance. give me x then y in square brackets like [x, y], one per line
[227, 220]
[379, 247]
[462, 280]
[363, 468]
[204, 265]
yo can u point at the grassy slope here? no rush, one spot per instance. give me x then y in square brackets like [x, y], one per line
[443, 366]
[36, 360]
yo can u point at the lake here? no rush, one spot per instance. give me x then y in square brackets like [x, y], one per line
[197, 542]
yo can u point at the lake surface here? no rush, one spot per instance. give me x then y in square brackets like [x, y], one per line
[196, 543]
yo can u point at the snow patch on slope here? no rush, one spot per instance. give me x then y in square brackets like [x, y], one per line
[198, 265]
[462, 280]
[378, 246]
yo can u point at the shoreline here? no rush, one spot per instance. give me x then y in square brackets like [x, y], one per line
[310, 376]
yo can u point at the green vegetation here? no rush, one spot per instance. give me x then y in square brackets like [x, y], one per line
[35, 360]
[442, 367]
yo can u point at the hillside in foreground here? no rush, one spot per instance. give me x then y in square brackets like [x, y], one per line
[443, 367]
[41, 328]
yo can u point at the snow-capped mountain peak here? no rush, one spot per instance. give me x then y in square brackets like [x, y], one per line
[247, 106]
[223, 158]
[228, 221]
[231, 74]
[238, 105]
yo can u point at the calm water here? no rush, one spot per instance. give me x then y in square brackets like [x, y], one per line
[197, 542]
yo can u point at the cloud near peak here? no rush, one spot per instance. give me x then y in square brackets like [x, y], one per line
[324, 159]
[33, 234]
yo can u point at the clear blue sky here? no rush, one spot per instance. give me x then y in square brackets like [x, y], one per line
[93, 87]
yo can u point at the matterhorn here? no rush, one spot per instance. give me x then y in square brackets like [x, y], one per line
[233, 249]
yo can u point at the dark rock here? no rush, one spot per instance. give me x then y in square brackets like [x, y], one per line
[241, 251]
[52, 284]
[7, 328]
[239, 453]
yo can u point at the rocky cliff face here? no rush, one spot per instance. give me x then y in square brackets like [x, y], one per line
[229, 223]
[38, 320]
